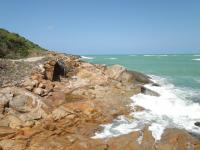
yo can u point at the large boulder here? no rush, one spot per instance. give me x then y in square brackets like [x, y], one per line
[21, 103]
[115, 71]
[90, 74]
[54, 69]
[140, 77]
[120, 73]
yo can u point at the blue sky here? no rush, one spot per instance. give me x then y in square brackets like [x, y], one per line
[106, 26]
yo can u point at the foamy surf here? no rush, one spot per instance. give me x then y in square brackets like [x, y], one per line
[197, 59]
[169, 110]
[155, 55]
[85, 57]
[111, 58]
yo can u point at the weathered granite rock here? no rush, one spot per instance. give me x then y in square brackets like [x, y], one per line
[21, 103]
[30, 84]
[15, 122]
[49, 69]
[147, 91]
[141, 78]
[5, 98]
[43, 114]
[22, 108]
[6, 131]
[39, 91]
[115, 71]
[61, 112]
[54, 69]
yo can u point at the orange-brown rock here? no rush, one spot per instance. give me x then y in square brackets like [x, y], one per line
[64, 102]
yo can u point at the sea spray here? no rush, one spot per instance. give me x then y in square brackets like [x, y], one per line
[166, 111]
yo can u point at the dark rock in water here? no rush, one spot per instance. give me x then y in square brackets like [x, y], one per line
[147, 91]
[197, 124]
[155, 84]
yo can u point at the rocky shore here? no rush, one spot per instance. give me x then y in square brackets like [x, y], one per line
[59, 101]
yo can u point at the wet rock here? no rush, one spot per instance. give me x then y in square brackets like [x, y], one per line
[147, 91]
[155, 84]
[197, 124]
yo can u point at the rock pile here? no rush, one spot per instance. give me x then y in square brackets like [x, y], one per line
[61, 104]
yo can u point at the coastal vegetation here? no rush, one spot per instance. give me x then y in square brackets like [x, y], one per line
[14, 46]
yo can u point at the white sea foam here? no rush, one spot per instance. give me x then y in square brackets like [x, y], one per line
[197, 59]
[119, 126]
[197, 80]
[85, 57]
[155, 55]
[169, 110]
[112, 58]
[149, 55]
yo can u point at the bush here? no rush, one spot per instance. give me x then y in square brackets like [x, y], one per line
[13, 45]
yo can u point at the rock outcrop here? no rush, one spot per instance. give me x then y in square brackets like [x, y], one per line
[62, 102]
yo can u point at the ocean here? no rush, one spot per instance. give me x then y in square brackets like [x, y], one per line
[179, 103]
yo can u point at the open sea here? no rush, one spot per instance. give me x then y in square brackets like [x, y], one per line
[179, 103]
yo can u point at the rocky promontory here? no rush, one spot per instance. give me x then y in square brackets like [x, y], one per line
[58, 102]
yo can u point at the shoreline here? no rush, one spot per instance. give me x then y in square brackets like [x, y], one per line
[65, 100]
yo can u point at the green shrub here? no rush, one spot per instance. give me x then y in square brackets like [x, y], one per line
[13, 45]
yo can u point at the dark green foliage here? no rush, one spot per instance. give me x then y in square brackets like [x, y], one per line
[13, 45]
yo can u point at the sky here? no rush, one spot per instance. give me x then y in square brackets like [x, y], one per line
[106, 26]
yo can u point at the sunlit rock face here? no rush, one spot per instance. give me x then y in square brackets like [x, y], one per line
[62, 101]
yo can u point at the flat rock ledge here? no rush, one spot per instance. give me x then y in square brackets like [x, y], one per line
[58, 102]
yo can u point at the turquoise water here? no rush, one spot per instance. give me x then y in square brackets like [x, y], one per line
[178, 105]
[182, 70]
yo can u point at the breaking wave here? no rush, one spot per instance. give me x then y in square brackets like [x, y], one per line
[172, 109]
[85, 57]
